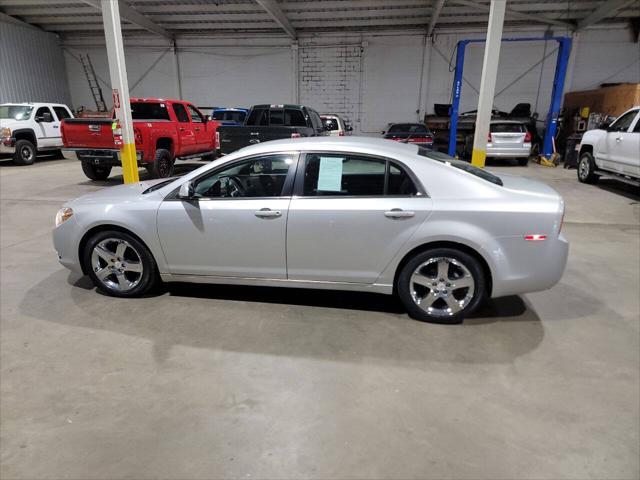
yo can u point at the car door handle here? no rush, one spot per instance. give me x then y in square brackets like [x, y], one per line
[197, 129]
[618, 139]
[268, 213]
[56, 126]
[182, 129]
[399, 213]
[254, 140]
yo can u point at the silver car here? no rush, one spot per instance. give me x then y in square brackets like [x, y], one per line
[509, 139]
[334, 213]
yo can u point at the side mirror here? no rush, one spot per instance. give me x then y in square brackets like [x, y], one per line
[383, 132]
[606, 126]
[187, 191]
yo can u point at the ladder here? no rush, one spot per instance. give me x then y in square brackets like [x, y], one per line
[96, 91]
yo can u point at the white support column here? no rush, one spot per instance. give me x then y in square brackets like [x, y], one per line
[295, 60]
[488, 81]
[120, 86]
[176, 70]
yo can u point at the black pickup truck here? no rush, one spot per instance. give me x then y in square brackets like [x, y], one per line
[271, 122]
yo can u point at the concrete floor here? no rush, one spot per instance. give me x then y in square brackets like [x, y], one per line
[230, 382]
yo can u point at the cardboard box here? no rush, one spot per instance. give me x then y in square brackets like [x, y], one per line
[613, 100]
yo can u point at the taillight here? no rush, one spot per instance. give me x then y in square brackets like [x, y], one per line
[341, 133]
[217, 140]
[295, 135]
[419, 140]
[527, 137]
[535, 237]
[489, 139]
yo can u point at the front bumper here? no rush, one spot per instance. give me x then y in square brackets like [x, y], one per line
[65, 242]
[102, 156]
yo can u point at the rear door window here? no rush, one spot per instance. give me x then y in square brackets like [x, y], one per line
[149, 111]
[330, 174]
[181, 113]
[294, 117]
[507, 128]
[258, 116]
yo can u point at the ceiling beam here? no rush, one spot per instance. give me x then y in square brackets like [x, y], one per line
[435, 15]
[135, 17]
[607, 9]
[274, 10]
[9, 19]
[511, 13]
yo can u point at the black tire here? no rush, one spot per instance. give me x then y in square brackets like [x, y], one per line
[96, 172]
[57, 154]
[146, 280]
[162, 167]
[405, 290]
[523, 162]
[25, 153]
[586, 169]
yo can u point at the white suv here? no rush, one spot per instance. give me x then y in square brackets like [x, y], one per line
[29, 128]
[612, 151]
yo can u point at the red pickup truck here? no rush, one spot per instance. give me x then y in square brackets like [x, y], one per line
[164, 130]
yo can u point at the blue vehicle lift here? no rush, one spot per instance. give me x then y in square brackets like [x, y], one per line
[551, 124]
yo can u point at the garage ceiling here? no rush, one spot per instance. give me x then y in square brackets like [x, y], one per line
[178, 18]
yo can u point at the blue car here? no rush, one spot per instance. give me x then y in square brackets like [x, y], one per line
[229, 116]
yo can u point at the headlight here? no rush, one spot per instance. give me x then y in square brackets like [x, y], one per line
[63, 215]
[5, 132]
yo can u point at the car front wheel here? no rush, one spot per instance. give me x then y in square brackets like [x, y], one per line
[119, 264]
[442, 285]
[586, 169]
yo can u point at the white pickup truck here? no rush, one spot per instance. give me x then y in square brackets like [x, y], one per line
[27, 129]
[612, 151]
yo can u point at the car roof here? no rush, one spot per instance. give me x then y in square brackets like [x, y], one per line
[32, 104]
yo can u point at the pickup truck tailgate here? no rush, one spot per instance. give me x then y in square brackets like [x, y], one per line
[94, 133]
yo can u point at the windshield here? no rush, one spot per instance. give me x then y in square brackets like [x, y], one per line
[408, 128]
[15, 112]
[467, 167]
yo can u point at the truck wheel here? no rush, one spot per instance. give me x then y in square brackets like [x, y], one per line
[163, 164]
[25, 153]
[586, 169]
[96, 172]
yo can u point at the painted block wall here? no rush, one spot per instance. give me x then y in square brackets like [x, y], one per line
[370, 79]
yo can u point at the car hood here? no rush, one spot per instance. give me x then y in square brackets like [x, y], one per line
[12, 124]
[131, 192]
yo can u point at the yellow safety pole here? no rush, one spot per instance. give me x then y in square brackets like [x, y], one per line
[488, 81]
[120, 86]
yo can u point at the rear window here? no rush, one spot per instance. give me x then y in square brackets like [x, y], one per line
[330, 123]
[408, 128]
[258, 116]
[507, 128]
[149, 111]
[294, 118]
[467, 167]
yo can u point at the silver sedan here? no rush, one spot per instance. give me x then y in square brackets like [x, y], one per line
[334, 213]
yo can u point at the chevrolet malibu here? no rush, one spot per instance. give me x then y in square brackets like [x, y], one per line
[343, 213]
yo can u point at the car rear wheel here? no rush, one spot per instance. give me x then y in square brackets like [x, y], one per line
[586, 169]
[162, 167]
[25, 153]
[119, 264]
[442, 285]
[96, 172]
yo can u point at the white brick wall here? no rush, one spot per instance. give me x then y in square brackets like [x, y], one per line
[329, 80]
[371, 85]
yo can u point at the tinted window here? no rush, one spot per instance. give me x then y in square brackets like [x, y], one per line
[219, 115]
[195, 114]
[623, 123]
[336, 174]
[408, 128]
[331, 123]
[181, 113]
[636, 129]
[276, 116]
[149, 111]
[42, 110]
[15, 112]
[294, 118]
[235, 116]
[255, 177]
[258, 116]
[61, 113]
[399, 182]
[507, 128]
[467, 167]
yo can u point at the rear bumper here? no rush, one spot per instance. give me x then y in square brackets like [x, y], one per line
[510, 151]
[101, 156]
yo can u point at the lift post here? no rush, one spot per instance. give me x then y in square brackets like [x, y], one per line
[551, 124]
[120, 86]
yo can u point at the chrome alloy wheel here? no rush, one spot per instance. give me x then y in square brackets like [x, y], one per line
[583, 168]
[442, 286]
[117, 264]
